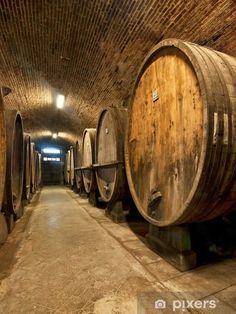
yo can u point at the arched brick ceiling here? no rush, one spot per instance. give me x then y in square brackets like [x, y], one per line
[90, 50]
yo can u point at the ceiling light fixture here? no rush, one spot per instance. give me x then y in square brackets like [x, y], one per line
[51, 150]
[60, 101]
[54, 135]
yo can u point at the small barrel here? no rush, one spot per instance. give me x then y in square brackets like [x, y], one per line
[32, 177]
[78, 164]
[72, 166]
[109, 155]
[3, 149]
[67, 168]
[180, 148]
[38, 170]
[88, 158]
[27, 167]
[15, 162]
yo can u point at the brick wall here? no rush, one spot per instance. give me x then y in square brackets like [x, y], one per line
[91, 51]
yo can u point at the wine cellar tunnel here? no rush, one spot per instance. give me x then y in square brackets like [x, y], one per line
[117, 156]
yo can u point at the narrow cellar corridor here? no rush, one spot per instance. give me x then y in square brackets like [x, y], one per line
[65, 256]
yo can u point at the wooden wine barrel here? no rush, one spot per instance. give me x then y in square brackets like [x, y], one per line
[88, 158]
[67, 168]
[38, 170]
[109, 155]
[32, 178]
[72, 166]
[180, 148]
[15, 162]
[78, 164]
[27, 167]
[3, 149]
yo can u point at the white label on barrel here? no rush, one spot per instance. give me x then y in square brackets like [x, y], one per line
[155, 95]
[226, 129]
[215, 128]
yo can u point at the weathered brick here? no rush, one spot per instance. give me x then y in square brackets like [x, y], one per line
[91, 51]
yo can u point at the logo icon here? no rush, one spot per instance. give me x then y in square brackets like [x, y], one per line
[160, 304]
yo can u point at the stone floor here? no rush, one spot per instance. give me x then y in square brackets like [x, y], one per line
[65, 256]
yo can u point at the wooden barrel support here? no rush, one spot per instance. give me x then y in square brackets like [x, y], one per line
[27, 168]
[15, 163]
[88, 159]
[109, 161]
[181, 140]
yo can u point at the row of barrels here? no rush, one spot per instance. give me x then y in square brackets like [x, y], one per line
[176, 146]
[20, 168]
[97, 164]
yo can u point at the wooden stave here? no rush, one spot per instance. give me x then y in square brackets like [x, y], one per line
[93, 185]
[119, 119]
[186, 48]
[13, 118]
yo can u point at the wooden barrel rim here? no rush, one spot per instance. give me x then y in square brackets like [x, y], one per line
[14, 205]
[78, 174]
[91, 132]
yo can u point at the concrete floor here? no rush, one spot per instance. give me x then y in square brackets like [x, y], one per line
[65, 256]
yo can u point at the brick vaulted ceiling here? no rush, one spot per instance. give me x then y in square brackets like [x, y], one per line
[91, 50]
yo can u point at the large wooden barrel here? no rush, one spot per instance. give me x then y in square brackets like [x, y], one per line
[88, 158]
[181, 143]
[3, 148]
[38, 170]
[72, 167]
[32, 177]
[27, 167]
[78, 164]
[15, 162]
[109, 155]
